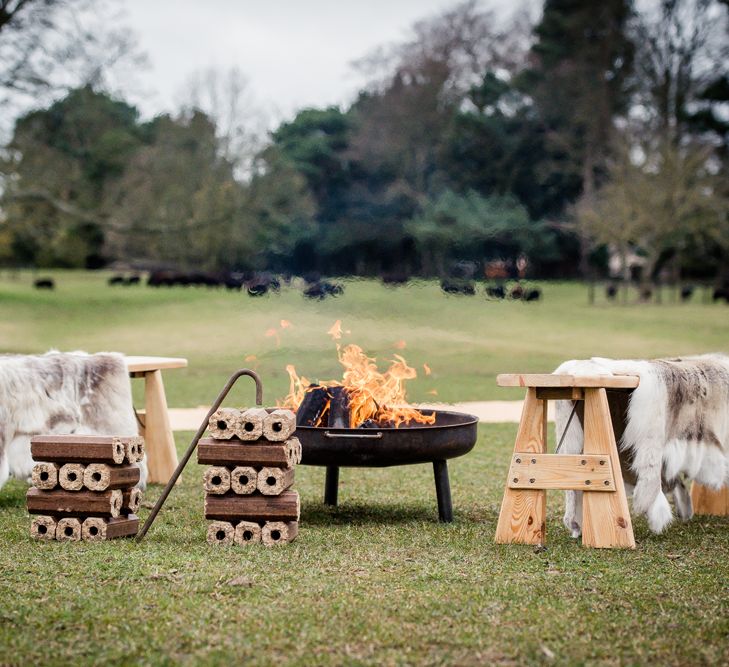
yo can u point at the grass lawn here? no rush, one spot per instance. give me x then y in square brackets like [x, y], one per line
[377, 580]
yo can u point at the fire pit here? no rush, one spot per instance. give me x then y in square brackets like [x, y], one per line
[452, 434]
[364, 420]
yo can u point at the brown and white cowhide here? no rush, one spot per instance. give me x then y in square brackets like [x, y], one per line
[61, 393]
[676, 424]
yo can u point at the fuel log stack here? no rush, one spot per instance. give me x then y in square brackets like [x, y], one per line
[84, 487]
[248, 498]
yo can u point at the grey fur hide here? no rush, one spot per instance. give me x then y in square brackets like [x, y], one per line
[61, 393]
[677, 425]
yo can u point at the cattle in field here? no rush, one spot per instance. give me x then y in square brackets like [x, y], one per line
[496, 292]
[115, 280]
[45, 283]
[687, 291]
[675, 424]
[323, 289]
[457, 286]
[611, 292]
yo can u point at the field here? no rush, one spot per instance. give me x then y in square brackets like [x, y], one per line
[377, 580]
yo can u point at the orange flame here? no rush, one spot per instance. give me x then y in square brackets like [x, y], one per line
[372, 394]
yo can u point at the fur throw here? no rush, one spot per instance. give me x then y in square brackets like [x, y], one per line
[61, 393]
[677, 424]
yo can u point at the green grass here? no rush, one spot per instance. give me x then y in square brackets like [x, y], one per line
[377, 580]
[465, 340]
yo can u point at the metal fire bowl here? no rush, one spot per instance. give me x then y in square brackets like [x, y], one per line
[453, 434]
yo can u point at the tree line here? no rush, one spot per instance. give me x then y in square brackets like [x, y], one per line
[598, 133]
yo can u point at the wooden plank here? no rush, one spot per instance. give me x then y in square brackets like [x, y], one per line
[161, 452]
[606, 519]
[555, 380]
[98, 529]
[708, 501]
[279, 425]
[100, 477]
[80, 448]
[247, 532]
[216, 480]
[274, 481]
[220, 532]
[560, 393]
[45, 475]
[587, 472]
[141, 364]
[524, 511]
[278, 533]
[235, 452]
[131, 501]
[256, 507]
[74, 503]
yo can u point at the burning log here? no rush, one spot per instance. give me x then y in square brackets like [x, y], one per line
[74, 503]
[220, 532]
[100, 477]
[279, 425]
[223, 423]
[274, 481]
[134, 449]
[277, 533]
[71, 476]
[80, 448]
[220, 452]
[339, 407]
[250, 425]
[256, 507]
[247, 532]
[311, 411]
[98, 529]
[243, 480]
[131, 501]
[68, 530]
[43, 528]
[217, 480]
[45, 475]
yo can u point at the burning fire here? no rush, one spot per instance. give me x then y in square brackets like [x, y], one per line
[379, 397]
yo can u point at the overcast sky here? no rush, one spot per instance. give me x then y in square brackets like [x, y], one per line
[295, 53]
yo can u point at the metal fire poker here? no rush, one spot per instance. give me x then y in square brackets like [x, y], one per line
[181, 465]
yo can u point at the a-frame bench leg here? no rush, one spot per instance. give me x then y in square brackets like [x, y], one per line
[605, 516]
[523, 511]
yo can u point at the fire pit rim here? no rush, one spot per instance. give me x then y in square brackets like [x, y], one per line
[467, 420]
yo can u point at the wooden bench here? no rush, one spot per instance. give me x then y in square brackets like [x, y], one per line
[160, 443]
[606, 517]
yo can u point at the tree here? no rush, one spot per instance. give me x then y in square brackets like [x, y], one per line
[582, 58]
[681, 51]
[225, 97]
[48, 47]
[470, 226]
[658, 205]
[177, 199]
[61, 163]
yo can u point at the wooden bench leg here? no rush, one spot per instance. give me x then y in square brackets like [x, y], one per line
[605, 516]
[708, 501]
[523, 511]
[160, 443]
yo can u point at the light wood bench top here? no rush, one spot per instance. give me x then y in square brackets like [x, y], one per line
[554, 380]
[146, 364]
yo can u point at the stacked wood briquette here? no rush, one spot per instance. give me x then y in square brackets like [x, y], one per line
[84, 487]
[248, 498]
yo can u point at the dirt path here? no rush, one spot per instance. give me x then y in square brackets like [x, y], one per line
[489, 412]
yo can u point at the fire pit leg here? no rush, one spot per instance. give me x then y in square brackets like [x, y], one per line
[331, 486]
[443, 491]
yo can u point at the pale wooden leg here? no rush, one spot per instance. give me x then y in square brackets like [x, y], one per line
[708, 501]
[605, 516]
[523, 511]
[160, 444]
